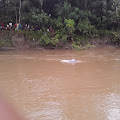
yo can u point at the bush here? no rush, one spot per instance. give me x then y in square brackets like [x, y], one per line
[58, 23]
[69, 23]
[55, 39]
[86, 28]
[45, 40]
[64, 38]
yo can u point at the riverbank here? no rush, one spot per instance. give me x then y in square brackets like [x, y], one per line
[39, 40]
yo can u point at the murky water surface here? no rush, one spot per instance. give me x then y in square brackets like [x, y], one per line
[43, 88]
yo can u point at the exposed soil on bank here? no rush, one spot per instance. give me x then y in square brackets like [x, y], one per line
[15, 41]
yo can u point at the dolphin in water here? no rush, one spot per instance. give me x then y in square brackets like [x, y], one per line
[73, 61]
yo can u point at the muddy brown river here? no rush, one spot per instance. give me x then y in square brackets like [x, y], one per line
[41, 87]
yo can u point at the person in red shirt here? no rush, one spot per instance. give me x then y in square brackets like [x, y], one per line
[2, 25]
[15, 25]
[53, 32]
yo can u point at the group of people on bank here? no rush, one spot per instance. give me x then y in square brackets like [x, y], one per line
[26, 27]
[11, 26]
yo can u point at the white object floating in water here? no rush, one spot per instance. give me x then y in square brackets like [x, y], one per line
[73, 61]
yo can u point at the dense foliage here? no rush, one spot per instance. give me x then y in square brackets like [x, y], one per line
[72, 20]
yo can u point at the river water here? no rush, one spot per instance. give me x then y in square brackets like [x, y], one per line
[43, 88]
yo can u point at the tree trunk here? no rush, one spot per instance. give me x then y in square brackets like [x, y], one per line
[20, 12]
[85, 4]
[16, 13]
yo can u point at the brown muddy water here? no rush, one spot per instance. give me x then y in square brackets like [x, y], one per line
[43, 88]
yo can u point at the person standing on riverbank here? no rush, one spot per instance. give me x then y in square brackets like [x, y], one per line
[17, 26]
[2, 25]
[8, 27]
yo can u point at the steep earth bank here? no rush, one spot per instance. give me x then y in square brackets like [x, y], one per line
[16, 40]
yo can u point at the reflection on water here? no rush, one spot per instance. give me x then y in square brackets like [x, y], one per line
[43, 88]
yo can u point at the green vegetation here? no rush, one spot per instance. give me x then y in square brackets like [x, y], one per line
[73, 21]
